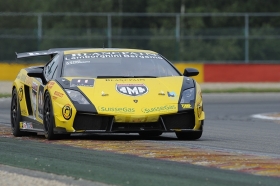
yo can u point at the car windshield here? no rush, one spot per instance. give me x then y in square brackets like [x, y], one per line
[117, 64]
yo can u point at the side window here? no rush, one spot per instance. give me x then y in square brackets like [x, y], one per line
[51, 68]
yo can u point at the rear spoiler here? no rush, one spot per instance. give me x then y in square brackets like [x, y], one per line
[43, 52]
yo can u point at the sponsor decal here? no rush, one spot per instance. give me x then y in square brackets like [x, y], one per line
[27, 125]
[23, 77]
[59, 94]
[28, 81]
[34, 86]
[199, 93]
[34, 97]
[82, 82]
[116, 109]
[171, 94]
[166, 108]
[67, 111]
[132, 89]
[186, 106]
[161, 93]
[50, 84]
[91, 55]
[40, 101]
[20, 93]
[135, 101]
[23, 112]
[199, 110]
[54, 98]
[104, 94]
[76, 62]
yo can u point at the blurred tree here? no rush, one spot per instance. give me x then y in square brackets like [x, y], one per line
[156, 33]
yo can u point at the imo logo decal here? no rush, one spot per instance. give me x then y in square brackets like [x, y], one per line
[132, 89]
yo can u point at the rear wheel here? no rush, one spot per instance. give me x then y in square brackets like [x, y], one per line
[190, 135]
[48, 118]
[15, 115]
[150, 133]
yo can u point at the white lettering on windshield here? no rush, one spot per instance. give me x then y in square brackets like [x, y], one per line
[111, 55]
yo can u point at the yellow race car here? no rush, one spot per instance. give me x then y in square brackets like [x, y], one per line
[106, 91]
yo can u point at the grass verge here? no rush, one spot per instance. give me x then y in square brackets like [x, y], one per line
[5, 95]
[241, 90]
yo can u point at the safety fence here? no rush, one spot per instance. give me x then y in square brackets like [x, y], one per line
[188, 37]
[208, 72]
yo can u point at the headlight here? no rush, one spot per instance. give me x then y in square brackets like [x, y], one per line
[188, 96]
[76, 96]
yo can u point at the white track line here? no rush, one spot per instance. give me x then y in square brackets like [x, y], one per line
[266, 116]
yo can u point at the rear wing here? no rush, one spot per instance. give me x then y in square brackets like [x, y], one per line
[43, 52]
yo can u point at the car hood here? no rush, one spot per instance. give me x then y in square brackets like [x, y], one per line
[131, 95]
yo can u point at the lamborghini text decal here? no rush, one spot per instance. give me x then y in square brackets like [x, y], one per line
[109, 55]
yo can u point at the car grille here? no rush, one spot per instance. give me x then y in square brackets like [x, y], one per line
[136, 127]
[179, 121]
[91, 122]
[84, 121]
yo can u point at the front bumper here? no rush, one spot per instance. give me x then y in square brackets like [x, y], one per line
[87, 122]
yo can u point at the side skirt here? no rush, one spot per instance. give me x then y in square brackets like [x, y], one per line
[31, 125]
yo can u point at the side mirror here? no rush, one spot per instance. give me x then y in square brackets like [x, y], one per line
[37, 73]
[190, 72]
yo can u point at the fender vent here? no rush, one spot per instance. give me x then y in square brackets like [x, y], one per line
[28, 100]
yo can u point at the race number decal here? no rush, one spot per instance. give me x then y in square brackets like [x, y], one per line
[67, 111]
[132, 89]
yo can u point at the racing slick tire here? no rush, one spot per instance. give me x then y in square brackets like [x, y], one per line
[190, 135]
[15, 115]
[48, 118]
[150, 133]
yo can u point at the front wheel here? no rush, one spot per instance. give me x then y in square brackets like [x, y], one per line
[190, 135]
[15, 115]
[48, 118]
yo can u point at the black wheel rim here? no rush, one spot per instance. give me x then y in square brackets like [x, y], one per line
[47, 116]
[14, 111]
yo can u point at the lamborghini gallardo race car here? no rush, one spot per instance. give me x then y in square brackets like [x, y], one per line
[105, 91]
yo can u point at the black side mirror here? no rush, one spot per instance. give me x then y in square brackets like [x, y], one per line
[190, 72]
[37, 73]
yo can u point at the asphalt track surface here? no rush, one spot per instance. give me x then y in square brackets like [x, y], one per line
[229, 128]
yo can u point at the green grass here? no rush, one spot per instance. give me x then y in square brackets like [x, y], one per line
[5, 95]
[242, 90]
